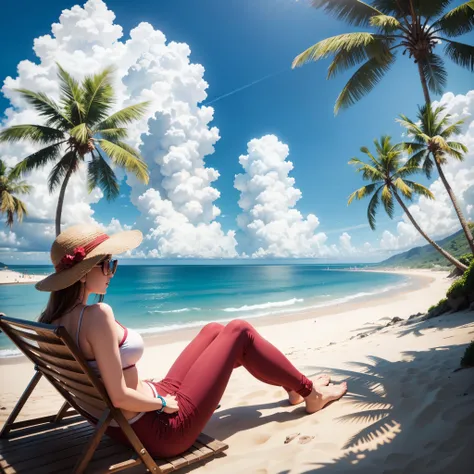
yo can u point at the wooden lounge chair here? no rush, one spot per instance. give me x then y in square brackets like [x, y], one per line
[66, 442]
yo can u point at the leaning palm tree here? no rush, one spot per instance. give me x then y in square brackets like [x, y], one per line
[78, 127]
[415, 26]
[9, 203]
[389, 181]
[432, 146]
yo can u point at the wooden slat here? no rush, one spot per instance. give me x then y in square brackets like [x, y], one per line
[203, 448]
[57, 363]
[39, 328]
[46, 438]
[26, 346]
[212, 443]
[73, 384]
[78, 377]
[45, 338]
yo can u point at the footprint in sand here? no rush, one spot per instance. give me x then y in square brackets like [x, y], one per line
[305, 439]
[291, 437]
[261, 438]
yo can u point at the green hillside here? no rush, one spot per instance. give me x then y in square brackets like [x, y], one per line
[427, 256]
[2, 265]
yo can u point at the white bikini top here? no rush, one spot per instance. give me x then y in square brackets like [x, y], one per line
[131, 347]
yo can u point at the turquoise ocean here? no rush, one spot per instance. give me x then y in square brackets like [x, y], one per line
[159, 298]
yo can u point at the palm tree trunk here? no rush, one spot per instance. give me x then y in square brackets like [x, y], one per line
[426, 92]
[59, 208]
[462, 219]
[443, 252]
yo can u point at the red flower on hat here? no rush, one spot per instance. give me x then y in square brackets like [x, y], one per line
[69, 260]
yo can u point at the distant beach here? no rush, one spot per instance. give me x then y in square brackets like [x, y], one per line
[10, 277]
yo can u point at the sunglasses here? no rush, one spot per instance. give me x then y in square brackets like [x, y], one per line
[109, 267]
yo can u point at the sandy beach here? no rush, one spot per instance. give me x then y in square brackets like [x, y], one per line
[10, 277]
[407, 409]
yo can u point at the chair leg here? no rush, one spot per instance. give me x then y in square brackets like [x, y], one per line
[19, 405]
[91, 446]
[137, 445]
[61, 412]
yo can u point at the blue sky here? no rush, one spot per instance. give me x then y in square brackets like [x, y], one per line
[238, 43]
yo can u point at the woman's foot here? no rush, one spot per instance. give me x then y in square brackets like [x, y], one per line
[321, 380]
[321, 396]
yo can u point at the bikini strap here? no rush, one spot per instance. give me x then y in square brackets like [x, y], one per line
[79, 325]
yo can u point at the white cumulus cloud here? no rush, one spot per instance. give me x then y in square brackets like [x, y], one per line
[178, 208]
[270, 223]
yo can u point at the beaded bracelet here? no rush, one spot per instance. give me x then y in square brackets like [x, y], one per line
[163, 403]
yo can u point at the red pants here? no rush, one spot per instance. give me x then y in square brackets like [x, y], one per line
[199, 377]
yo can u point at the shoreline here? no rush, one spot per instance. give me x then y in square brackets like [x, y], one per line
[422, 280]
[12, 277]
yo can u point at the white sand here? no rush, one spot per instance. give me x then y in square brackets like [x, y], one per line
[9, 277]
[406, 411]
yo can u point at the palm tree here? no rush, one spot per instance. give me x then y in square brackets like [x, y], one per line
[78, 127]
[9, 204]
[389, 181]
[432, 146]
[416, 26]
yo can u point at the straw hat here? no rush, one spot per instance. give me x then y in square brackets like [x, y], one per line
[79, 248]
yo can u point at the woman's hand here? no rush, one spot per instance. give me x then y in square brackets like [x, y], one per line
[171, 404]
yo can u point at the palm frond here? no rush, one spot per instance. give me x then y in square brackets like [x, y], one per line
[387, 201]
[412, 147]
[348, 49]
[453, 129]
[81, 133]
[71, 95]
[37, 160]
[112, 133]
[458, 21]
[420, 189]
[400, 184]
[35, 133]
[430, 8]
[7, 203]
[362, 193]
[412, 127]
[460, 53]
[415, 161]
[100, 174]
[125, 159]
[372, 208]
[363, 81]
[368, 172]
[434, 73]
[98, 96]
[20, 209]
[353, 12]
[395, 7]
[57, 174]
[123, 117]
[385, 23]
[374, 160]
[47, 108]
[19, 187]
[456, 150]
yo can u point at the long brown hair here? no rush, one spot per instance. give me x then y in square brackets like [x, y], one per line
[62, 301]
